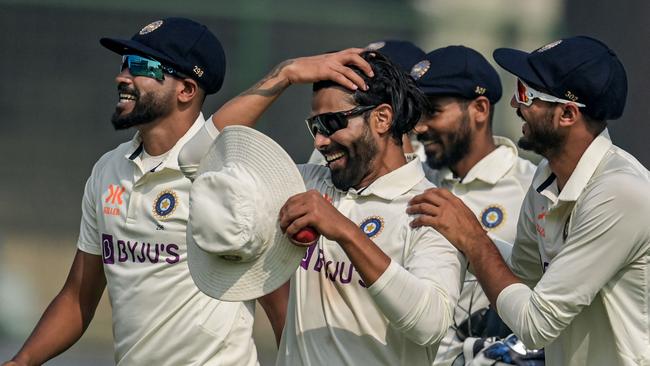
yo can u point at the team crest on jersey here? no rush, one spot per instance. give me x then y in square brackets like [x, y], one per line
[151, 27]
[418, 70]
[492, 216]
[372, 226]
[165, 204]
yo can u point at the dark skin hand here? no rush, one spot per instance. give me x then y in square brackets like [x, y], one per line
[446, 213]
[312, 209]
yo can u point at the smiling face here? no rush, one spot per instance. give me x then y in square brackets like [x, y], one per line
[350, 152]
[540, 131]
[142, 100]
[445, 131]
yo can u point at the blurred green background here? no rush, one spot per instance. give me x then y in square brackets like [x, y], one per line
[58, 92]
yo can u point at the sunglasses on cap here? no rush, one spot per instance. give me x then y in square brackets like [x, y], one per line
[525, 95]
[144, 66]
[328, 123]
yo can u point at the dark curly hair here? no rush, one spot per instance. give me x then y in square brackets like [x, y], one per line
[390, 85]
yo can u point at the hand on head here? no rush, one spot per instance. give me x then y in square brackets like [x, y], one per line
[329, 66]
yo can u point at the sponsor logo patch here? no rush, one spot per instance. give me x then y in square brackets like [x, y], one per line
[113, 200]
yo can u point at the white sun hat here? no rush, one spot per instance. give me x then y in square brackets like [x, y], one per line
[235, 248]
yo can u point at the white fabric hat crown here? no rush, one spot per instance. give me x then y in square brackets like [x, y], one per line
[236, 250]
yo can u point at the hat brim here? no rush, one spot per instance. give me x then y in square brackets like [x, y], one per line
[241, 281]
[516, 63]
[127, 46]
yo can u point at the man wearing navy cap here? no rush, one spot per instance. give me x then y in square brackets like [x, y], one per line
[580, 267]
[464, 157]
[134, 219]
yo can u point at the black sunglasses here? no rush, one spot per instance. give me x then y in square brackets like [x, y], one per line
[328, 123]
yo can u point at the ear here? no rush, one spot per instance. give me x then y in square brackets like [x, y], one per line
[569, 113]
[382, 118]
[480, 111]
[187, 90]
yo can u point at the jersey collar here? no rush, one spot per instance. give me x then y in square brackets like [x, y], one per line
[545, 181]
[492, 167]
[396, 183]
[171, 161]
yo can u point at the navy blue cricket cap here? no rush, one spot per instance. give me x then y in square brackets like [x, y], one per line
[181, 43]
[458, 71]
[403, 53]
[581, 69]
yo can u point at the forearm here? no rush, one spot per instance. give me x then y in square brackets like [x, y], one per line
[248, 107]
[368, 259]
[61, 325]
[275, 306]
[420, 309]
[489, 268]
[416, 307]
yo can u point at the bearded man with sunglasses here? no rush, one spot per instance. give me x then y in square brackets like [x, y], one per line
[579, 280]
[372, 290]
[135, 212]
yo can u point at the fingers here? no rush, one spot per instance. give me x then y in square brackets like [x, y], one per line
[292, 209]
[296, 225]
[353, 57]
[348, 78]
[433, 196]
[425, 220]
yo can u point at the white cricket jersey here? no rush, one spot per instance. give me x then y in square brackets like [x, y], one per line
[137, 221]
[334, 319]
[493, 189]
[585, 253]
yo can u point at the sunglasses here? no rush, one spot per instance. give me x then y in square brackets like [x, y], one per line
[143, 66]
[328, 123]
[525, 95]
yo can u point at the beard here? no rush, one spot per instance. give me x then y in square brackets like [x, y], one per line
[541, 138]
[360, 157]
[452, 151]
[147, 109]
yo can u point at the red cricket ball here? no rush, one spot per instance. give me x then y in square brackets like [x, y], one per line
[306, 235]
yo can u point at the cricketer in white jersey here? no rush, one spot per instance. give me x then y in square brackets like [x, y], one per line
[463, 156]
[347, 302]
[585, 252]
[135, 218]
[135, 212]
[337, 319]
[493, 189]
[580, 278]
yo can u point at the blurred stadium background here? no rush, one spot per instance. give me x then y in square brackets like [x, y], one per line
[58, 93]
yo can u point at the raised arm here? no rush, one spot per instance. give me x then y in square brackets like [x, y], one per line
[68, 315]
[246, 108]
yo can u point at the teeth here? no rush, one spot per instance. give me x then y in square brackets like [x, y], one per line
[331, 157]
[124, 96]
